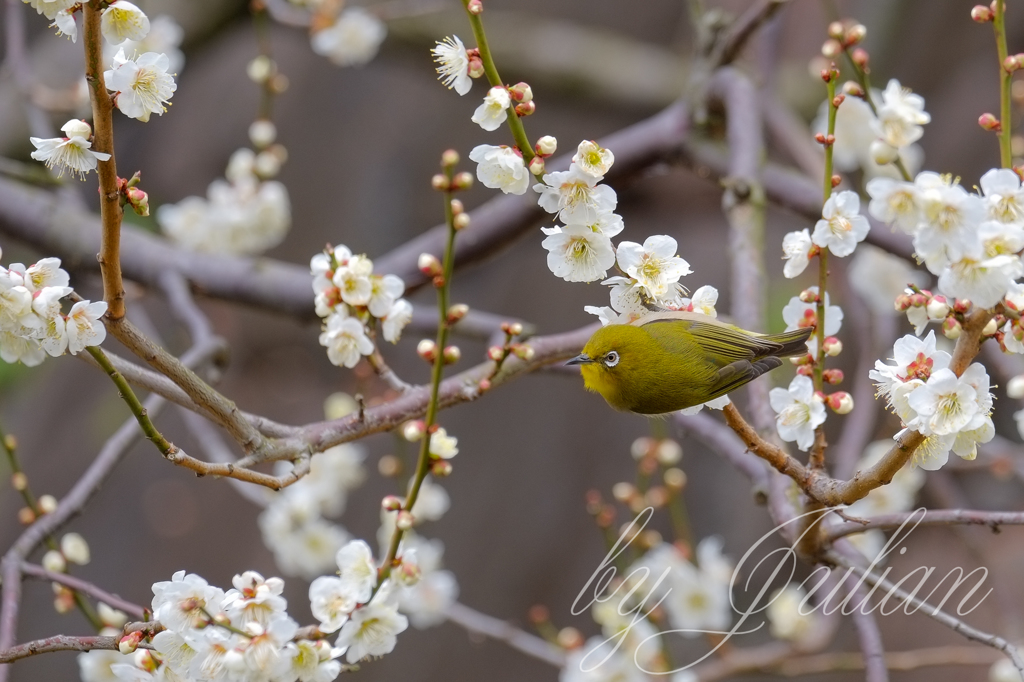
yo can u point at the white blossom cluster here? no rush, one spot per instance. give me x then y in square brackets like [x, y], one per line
[953, 412]
[351, 299]
[33, 323]
[353, 38]
[695, 599]
[840, 229]
[244, 213]
[869, 142]
[141, 85]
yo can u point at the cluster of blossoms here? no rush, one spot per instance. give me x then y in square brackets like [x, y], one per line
[350, 39]
[244, 213]
[953, 412]
[32, 321]
[872, 142]
[351, 299]
[840, 229]
[969, 241]
[243, 634]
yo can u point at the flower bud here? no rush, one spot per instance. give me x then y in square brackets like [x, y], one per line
[951, 328]
[841, 402]
[64, 601]
[853, 89]
[54, 562]
[521, 92]
[902, 303]
[267, 164]
[537, 165]
[475, 7]
[808, 296]
[982, 14]
[75, 549]
[570, 638]
[832, 376]
[675, 479]
[855, 34]
[1015, 387]
[391, 503]
[669, 452]
[496, 353]
[138, 200]
[440, 182]
[831, 49]
[512, 328]
[48, 504]
[476, 67]
[111, 617]
[523, 352]
[656, 497]
[129, 643]
[19, 481]
[441, 468]
[449, 158]
[461, 181]
[836, 30]
[832, 346]
[546, 145]
[484, 385]
[988, 121]
[452, 354]
[408, 573]
[260, 69]
[642, 447]
[883, 153]
[457, 312]
[413, 430]
[77, 128]
[861, 58]
[918, 300]
[1013, 63]
[26, 516]
[427, 350]
[526, 108]
[990, 328]
[961, 305]
[460, 222]
[405, 520]
[262, 133]
[623, 491]
[458, 207]
[429, 265]
[389, 466]
[805, 370]
[938, 308]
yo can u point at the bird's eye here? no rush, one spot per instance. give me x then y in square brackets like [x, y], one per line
[611, 359]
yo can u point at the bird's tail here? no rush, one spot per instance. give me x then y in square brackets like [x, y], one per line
[793, 343]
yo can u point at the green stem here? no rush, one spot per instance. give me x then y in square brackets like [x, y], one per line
[129, 397]
[515, 123]
[819, 365]
[437, 373]
[261, 24]
[1005, 78]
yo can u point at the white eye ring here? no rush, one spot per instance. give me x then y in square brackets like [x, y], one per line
[611, 359]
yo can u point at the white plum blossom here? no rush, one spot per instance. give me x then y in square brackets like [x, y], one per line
[352, 278]
[122, 21]
[606, 315]
[627, 296]
[949, 216]
[65, 24]
[95, 665]
[83, 326]
[494, 109]
[384, 292]
[179, 603]
[442, 445]
[593, 159]
[841, 227]
[796, 251]
[576, 253]
[304, 544]
[981, 279]
[895, 203]
[331, 602]
[655, 265]
[575, 196]
[352, 40]
[72, 153]
[313, 661]
[357, 570]
[900, 116]
[799, 411]
[453, 64]
[49, 8]
[797, 314]
[945, 403]
[165, 36]
[143, 85]
[345, 340]
[1003, 195]
[501, 168]
[254, 599]
[397, 318]
[788, 617]
[703, 301]
[371, 631]
[914, 358]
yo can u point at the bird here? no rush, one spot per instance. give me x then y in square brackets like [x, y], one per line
[668, 361]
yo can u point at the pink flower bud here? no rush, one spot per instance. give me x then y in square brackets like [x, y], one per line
[457, 207]
[853, 89]
[449, 158]
[405, 520]
[831, 49]
[512, 328]
[855, 34]
[988, 121]
[461, 222]
[832, 346]
[836, 30]
[832, 376]
[484, 385]
[476, 67]
[805, 370]
[521, 92]
[440, 182]
[461, 181]
[523, 352]
[441, 468]
[861, 58]
[982, 14]
[452, 354]
[526, 108]
[951, 328]
[537, 165]
[546, 146]
[902, 303]
[937, 308]
[429, 265]
[475, 7]
[961, 305]
[918, 300]
[138, 200]
[496, 353]
[427, 350]
[391, 503]
[840, 402]
[129, 643]
[457, 312]
[413, 430]
[809, 296]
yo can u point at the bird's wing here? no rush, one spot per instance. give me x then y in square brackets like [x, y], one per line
[722, 343]
[734, 375]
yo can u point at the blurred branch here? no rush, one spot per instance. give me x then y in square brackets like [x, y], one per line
[894, 660]
[482, 624]
[736, 36]
[931, 517]
[870, 641]
[112, 600]
[16, 61]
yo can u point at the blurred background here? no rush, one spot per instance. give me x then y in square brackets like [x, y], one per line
[362, 144]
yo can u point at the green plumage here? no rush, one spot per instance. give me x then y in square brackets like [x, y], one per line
[670, 361]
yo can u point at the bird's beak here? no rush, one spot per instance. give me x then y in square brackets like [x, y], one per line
[580, 359]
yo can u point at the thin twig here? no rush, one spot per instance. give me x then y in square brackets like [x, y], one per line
[79, 585]
[931, 517]
[870, 641]
[481, 624]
